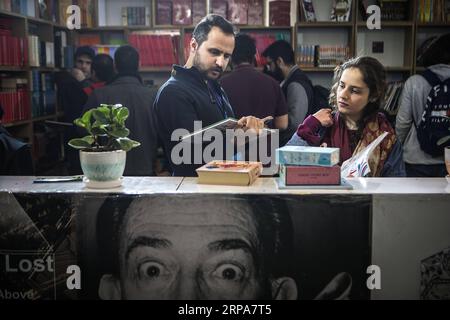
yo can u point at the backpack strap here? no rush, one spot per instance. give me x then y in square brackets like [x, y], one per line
[431, 77]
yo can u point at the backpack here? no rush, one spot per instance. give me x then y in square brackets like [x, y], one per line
[434, 125]
[321, 96]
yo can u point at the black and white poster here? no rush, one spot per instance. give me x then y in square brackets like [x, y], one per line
[184, 246]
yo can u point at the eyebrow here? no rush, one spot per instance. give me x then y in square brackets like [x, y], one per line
[220, 51]
[355, 87]
[147, 242]
[231, 244]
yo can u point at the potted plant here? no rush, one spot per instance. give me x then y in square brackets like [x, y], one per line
[103, 151]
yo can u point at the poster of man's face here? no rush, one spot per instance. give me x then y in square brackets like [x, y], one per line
[213, 246]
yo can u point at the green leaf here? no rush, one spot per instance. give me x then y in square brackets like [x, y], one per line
[122, 114]
[120, 132]
[79, 144]
[88, 139]
[443, 140]
[127, 144]
[100, 116]
[79, 122]
[86, 118]
[99, 131]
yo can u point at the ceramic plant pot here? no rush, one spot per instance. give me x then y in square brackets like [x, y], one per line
[103, 169]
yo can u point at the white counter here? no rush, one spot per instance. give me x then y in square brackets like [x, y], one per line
[130, 185]
[148, 185]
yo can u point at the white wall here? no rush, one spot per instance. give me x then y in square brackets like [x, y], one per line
[406, 230]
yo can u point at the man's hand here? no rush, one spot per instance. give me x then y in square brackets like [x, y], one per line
[325, 117]
[253, 123]
[78, 74]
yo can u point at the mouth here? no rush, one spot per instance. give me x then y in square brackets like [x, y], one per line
[343, 104]
[216, 72]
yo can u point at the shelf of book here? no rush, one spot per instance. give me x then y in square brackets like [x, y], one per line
[317, 69]
[325, 24]
[155, 69]
[389, 24]
[16, 123]
[46, 117]
[34, 53]
[433, 25]
[40, 21]
[13, 69]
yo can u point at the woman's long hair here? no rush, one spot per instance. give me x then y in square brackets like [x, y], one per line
[374, 76]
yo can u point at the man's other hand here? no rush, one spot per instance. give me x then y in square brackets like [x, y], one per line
[78, 74]
[253, 123]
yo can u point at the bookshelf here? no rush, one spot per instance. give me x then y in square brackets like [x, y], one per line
[30, 66]
[107, 24]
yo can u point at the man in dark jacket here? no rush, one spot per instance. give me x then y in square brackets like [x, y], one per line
[193, 93]
[15, 155]
[296, 85]
[127, 89]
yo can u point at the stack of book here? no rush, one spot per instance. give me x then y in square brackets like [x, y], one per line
[304, 165]
[436, 11]
[323, 56]
[263, 40]
[13, 50]
[155, 49]
[135, 16]
[15, 99]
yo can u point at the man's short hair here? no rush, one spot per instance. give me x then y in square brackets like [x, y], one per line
[244, 49]
[84, 51]
[126, 60]
[103, 66]
[280, 49]
[205, 25]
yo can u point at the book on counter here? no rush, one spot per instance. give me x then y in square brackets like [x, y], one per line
[310, 175]
[235, 173]
[307, 156]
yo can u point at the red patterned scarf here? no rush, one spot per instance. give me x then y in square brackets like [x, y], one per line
[338, 137]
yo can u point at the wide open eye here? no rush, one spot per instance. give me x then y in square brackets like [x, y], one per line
[229, 272]
[151, 270]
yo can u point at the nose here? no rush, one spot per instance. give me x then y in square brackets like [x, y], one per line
[188, 288]
[220, 61]
[344, 93]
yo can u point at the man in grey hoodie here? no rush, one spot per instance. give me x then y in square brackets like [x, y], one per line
[414, 96]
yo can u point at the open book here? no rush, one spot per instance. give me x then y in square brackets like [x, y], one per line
[228, 123]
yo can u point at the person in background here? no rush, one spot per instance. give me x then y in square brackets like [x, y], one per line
[412, 105]
[128, 90]
[15, 155]
[71, 99]
[357, 96]
[84, 56]
[102, 72]
[249, 90]
[193, 93]
[296, 86]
